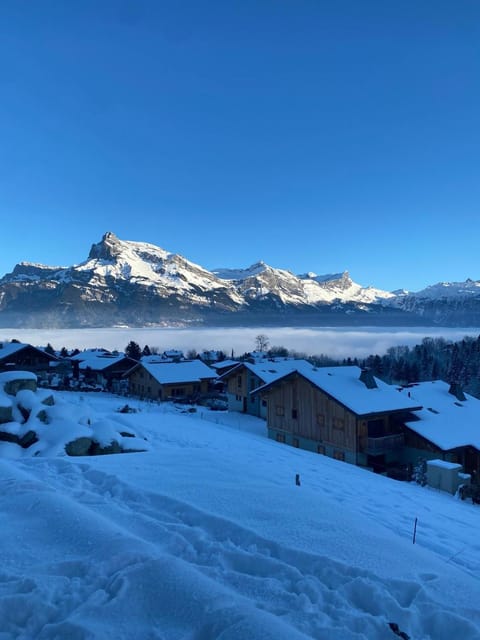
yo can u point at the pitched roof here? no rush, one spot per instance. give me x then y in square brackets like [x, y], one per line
[269, 370]
[344, 385]
[222, 364]
[7, 349]
[176, 372]
[98, 360]
[444, 420]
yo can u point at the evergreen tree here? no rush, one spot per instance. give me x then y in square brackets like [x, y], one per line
[133, 350]
[49, 349]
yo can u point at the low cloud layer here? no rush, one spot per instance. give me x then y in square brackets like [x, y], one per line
[336, 343]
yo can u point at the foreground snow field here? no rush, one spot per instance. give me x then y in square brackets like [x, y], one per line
[206, 536]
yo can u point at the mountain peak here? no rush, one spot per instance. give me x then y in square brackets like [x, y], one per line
[107, 249]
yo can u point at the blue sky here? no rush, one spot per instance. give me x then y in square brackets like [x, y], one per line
[317, 136]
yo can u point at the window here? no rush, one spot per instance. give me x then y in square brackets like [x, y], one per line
[321, 419]
[321, 449]
[239, 381]
[338, 423]
[280, 411]
[339, 455]
[294, 414]
[264, 403]
[296, 443]
[280, 437]
[238, 398]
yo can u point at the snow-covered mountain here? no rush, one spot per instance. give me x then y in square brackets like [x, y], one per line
[444, 303]
[140, 284]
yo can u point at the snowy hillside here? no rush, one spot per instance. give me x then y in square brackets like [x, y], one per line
[207, 537]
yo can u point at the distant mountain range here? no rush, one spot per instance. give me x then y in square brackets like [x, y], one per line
[138, 284]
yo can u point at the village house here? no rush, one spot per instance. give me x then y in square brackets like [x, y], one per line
[244, 377]
[341, 412]
[159, 380]
[446, 428]
[223, 366]
[20, 356]
[100, 367]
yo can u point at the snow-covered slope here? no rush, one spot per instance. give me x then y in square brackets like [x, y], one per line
[207, 537]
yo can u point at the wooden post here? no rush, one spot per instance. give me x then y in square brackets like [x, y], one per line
[415, 530]
[297, 479]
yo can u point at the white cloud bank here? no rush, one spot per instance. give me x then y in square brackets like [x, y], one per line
[334, 342]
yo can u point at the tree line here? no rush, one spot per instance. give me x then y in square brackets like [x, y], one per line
[432, 359]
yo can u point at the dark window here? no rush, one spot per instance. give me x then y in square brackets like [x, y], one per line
[338, 423]
[339, 455]
[280, 411]
[280, 437]
[294, 414]
[321, 419]
[296, 443]
[239, 381]
[321, 449]
[376, 428]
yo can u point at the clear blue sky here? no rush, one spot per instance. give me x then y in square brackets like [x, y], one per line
[317, 136]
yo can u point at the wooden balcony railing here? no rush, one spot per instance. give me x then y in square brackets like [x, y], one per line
[377, 446]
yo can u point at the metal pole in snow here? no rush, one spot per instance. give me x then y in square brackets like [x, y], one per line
[415, 530]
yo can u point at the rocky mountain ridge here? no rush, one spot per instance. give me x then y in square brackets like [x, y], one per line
[140, 284]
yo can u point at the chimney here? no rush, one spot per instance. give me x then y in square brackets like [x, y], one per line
[456, 390]
[367, 378]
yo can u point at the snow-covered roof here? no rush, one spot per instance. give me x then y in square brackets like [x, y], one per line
[173, 353]
[344, 385]
[270, 370]
[176, 372]
[98, 360]
[444, 420]
[7, 349]
[224, 363]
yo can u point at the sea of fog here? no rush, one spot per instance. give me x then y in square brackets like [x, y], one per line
[336, 342]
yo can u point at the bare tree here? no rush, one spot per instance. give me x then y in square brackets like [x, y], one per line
[261, 342]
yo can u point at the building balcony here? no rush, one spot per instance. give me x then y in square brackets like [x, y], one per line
[384, 444]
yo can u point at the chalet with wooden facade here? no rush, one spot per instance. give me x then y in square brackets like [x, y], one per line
[446, 428]
[20, 356]
[342, 412]
[99, 366]
[186, 380]
[245, 377]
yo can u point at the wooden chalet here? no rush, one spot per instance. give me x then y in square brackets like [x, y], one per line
[244, 377]
[20, 356]
[341, 412]
[185, 380]
[99, 366]
[446, 428]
